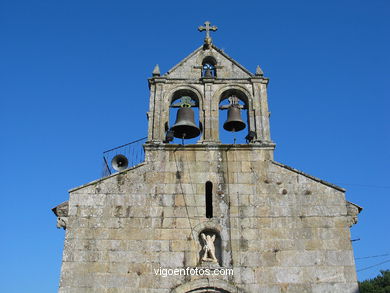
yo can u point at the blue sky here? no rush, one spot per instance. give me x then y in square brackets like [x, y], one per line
[73, 83]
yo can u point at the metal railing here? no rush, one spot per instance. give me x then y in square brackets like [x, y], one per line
[133, 151]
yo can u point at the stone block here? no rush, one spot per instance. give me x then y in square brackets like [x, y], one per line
[335, 288]
[172, 260]
[339, 258]
[289, 275]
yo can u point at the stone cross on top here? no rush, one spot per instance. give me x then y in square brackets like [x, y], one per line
[207, 28]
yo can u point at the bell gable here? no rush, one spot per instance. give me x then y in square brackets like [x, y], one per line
[195, 64]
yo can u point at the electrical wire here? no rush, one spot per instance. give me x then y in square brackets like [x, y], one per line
[375, 265]
[372, 256]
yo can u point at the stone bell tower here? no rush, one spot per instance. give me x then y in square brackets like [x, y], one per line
[206, 216]
[208, 76]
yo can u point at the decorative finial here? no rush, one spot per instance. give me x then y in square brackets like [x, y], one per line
[207, 28]
[259, 72]
[233, 100]
[185, 102]
[156, 70]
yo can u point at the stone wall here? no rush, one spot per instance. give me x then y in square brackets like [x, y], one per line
[280, 230]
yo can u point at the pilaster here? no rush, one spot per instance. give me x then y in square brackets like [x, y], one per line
[210, 128]
[265, 114]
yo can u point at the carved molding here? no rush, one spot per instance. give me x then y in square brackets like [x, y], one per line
[352, 213]
[61, 211]
[62, 222]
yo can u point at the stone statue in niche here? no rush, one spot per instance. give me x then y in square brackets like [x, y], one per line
[208, 248]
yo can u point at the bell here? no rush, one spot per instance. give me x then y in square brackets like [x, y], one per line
[234, 122]
[208, 73]
[185, 126]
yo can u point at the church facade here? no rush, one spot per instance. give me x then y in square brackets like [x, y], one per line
[208, 216]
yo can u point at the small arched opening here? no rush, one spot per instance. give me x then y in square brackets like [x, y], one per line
[233, 117]
[183, 118]
[209, 67]
[209, 199]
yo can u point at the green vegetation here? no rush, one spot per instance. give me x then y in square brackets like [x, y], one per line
[380, 284]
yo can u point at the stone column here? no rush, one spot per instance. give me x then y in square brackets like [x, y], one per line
[257, 110]
[210, 127]
[151, 113]
[264, 111]
[158, 131]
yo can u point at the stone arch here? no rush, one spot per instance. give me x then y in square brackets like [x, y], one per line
[243, 94]
[209, 59]
[207, 285]
[211, 224]
[189, 90]
[175, 94]
[207, 54]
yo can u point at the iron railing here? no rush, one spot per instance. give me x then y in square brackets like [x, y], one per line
[133, 151]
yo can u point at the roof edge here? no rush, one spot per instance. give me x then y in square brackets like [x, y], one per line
[183, 60]
[104, 178]
[355, 205]
[220, 51]
[231, 59]
[309, 176]
[64, 205]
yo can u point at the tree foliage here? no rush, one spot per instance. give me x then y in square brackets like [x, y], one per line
[380, 284]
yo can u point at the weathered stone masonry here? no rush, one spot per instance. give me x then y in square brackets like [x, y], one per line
[280, 229]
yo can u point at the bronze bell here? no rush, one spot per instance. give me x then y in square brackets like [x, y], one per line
[234, 122]
[185, 126]
[208, 73]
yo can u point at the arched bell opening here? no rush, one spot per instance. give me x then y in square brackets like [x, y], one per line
[209, 69]
[233, 117]
[183, 118]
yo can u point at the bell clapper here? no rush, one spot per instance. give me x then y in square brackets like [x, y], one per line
[182, 139]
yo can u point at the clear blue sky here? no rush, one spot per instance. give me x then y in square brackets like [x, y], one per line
[73, 83]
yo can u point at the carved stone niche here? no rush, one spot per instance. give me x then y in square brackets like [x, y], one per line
[211, 252]
[61, 211]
